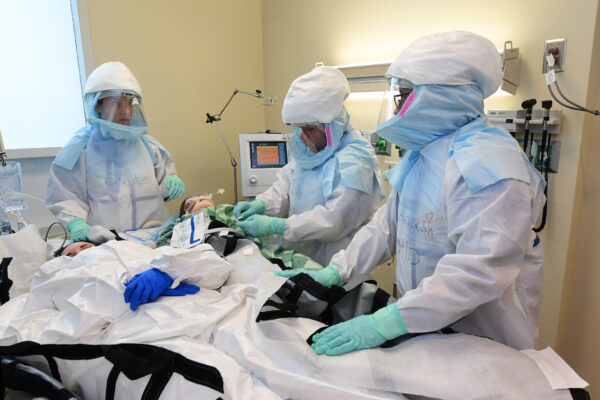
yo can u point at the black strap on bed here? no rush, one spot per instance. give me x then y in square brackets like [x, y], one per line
[17, 375]
[5, 283]
[230, 238]
[301, 292]
[133, 360]
[117, 236]
[579, 394]
[279, 262]
[333, 305]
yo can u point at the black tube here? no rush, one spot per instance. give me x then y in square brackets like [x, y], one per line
[546, 104]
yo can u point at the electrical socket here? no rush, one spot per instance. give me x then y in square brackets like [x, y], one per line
[559, 51]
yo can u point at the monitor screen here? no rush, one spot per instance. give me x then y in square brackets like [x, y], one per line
[268, 154]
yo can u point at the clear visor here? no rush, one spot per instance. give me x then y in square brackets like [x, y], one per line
[395, 94]
[313, 136]
[308, 125]
[120, 108]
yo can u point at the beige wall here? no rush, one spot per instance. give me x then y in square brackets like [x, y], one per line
[296, 34]
[189, 56]
[580, 319]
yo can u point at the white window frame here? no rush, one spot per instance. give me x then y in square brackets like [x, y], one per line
[85, 63]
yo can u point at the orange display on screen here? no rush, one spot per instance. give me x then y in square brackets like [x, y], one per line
[267, 155]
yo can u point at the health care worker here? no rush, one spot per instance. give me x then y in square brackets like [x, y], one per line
[112, 173]
[331, 188]
[460, 217]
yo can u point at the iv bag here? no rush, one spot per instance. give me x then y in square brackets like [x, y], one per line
[11, 196]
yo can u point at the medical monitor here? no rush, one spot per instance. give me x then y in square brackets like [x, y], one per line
[271, 154]
[262, 155]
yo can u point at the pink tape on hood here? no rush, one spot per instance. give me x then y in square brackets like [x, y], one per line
[407, 103]
[329, 143]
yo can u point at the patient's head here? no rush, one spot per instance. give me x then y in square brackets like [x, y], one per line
[194, 204]
[75, 248]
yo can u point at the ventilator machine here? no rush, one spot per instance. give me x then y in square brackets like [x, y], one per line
[262, 155]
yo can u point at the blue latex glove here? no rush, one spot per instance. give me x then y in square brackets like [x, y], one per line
[362, 332]
[146, 287]
[327, 276]
[245, 209]
[181, 290]
[262, 225]
[79, 230]
[175, 187]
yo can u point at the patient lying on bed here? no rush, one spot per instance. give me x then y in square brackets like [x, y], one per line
[222, 215]
[74, 248]
[194, 204]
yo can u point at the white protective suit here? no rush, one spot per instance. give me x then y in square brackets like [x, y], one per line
[329, 195]
[465, 201]
[119, 184]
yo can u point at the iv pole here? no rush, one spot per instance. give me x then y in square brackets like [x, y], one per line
[268, 101]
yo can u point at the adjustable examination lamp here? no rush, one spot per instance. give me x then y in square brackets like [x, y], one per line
[267, 101]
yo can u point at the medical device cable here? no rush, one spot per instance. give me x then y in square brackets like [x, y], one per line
[64, 229]
[561, 103]
[572, 105]
[545, 168]
[565, 97]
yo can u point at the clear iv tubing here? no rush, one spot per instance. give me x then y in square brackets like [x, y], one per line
[21, 222]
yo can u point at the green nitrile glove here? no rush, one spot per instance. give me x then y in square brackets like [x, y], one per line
[328, 276]
[175, 187]
[245, 209]
[363, 332]
[79, 230]
[262, 225]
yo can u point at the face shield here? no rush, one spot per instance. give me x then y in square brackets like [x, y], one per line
[119, 114]
[395, 95]
[120, 108]
[314, 136]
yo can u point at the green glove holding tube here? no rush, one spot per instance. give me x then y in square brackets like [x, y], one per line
[245, 209]
[262, 225]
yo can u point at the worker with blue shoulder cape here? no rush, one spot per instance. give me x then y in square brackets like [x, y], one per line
[332, 187]
[460, 216]
[112, 173]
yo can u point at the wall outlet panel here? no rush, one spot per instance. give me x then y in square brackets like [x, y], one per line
[558, 47]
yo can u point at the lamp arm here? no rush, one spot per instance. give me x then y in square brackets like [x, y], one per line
[217, 117]
[232, 159]
[233, 162]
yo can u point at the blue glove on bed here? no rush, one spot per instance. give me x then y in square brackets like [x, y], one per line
[328, 276]
[363, 332]
[147, 286]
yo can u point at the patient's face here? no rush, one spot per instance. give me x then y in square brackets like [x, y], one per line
[75, 248]
[197, 203]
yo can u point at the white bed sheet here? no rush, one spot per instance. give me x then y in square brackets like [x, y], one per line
[80, 300]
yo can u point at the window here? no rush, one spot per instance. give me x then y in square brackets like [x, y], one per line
[41, 75]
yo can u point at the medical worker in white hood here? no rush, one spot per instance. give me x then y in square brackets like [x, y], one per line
[331, 188]
[460, 217]
[112, 173]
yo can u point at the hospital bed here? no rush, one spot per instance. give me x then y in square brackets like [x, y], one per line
[76, 304]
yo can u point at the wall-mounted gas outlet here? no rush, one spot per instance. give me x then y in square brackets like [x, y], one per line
[557, 49]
